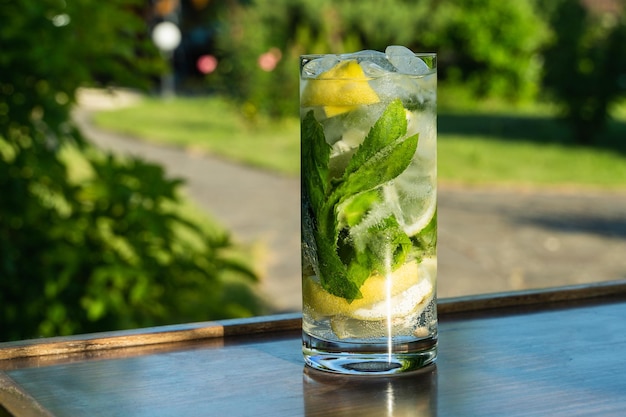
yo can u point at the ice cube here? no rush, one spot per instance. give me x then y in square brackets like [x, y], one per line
[374, 63]
[366, 55]
[405, 61]
[375, 69]
[360, 119]
[425, 124]
[346, 327]
[396, 85]
[315, 67]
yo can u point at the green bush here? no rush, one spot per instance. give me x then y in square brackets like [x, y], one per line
[491, 46]
[585, 67]
[105, 246]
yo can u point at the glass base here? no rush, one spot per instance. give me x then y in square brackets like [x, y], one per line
[367, 359]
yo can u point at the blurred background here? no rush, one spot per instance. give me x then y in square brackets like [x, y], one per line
[532, 145]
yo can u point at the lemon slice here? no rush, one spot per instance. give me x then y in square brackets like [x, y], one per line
[340, 89]
[398, 318]
[374, 290]
[399, 305]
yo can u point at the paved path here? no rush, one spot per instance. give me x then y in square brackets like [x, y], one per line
[490, 240]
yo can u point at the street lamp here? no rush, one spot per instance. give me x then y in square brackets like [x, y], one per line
[166, 36]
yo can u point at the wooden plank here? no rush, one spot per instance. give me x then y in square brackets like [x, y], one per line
[147, 336]
[545, 297]
[228, 328]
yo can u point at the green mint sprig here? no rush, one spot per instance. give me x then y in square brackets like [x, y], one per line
[339, 204]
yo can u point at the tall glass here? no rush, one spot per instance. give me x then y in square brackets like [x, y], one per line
[369, 210]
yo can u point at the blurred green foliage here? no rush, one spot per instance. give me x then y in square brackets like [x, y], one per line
[568, 51]
[490, 46]
[110, 248]
[585, 66]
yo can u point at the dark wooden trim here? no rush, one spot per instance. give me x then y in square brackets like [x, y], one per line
[547, 297]
[148, 336]
[87, 343]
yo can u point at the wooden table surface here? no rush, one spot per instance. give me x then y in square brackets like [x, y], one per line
[546, 353]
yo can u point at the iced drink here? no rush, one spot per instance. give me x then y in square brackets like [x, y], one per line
[369, 210]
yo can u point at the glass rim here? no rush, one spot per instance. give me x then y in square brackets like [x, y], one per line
[430, 58]
[362, 54]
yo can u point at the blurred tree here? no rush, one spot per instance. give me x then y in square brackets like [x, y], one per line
[585, 64]
[490, 46]
[108, 247]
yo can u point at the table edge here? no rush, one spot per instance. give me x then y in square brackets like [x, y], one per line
[86, 343]
[17, 401]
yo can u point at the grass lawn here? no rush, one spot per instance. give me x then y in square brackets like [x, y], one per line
[524, 150]
[212, 125]
[479, 143]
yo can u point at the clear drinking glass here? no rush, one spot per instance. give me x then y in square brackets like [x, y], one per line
[369, 210]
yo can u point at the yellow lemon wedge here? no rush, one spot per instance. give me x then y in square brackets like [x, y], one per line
[398, 315]
[374, 291]
[406, 308]
[340, 89]
[400, 305]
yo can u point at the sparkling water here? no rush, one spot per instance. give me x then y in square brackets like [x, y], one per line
[383, 234]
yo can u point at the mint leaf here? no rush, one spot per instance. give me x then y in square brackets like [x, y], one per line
[334, 272]
[426, 240]
[389, 127]
[357, 207]
[382, 166]
[314, 161]
[316, 235]
[384, 154]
